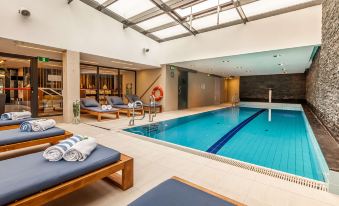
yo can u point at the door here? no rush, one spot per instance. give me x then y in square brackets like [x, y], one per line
[182, 89]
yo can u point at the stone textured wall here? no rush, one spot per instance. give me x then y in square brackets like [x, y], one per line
[285, 87]
[322, 84]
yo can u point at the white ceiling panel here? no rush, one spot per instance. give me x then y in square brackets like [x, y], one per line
[154, 22]
[169, 32]
[128, 9]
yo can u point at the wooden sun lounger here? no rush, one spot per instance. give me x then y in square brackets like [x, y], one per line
[147, 108]
[123, 181]
[129, 111]
[51, 140]
[99, 114]
[7, 127]
[208, 191]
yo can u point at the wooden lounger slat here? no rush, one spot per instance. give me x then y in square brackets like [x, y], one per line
[99, 114]
[125, 181]
[208, 191]
[7, 127]
[51, 140]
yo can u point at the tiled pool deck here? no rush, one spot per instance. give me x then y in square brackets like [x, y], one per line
[155, 163]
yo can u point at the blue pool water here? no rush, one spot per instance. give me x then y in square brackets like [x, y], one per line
[245, 134]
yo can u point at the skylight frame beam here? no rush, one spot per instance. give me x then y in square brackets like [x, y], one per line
[237, 6]
[169, 11]
[252, 18]
[120, 19]
[156, 11]
[106, 4]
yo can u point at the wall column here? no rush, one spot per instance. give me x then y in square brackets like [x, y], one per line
[71, 82]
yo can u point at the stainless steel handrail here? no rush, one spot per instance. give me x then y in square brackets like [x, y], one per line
[152, 105]
[135, 105]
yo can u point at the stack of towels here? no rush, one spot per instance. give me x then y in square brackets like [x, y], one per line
[38, 125]
[16, 115]
[106, 107]
[75, 148]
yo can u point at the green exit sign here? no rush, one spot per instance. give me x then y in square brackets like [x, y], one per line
[43, 59]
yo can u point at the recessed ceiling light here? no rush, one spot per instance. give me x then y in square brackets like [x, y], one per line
[89, 62]
[280, 64]
[118, 62]
[277, 55]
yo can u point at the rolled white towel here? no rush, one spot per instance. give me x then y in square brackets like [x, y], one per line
[42, 124]
[81, 150]
[21, 115]
[6, 116]
[56, 152]
[104, 107]
[109, 107]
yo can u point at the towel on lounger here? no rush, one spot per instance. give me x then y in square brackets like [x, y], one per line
[55, 152]
[6, 116]
[42, 124]
[104, 107]
[109, 107]
[130, 105]
[21, 115]
[26, 126]
[81, 150]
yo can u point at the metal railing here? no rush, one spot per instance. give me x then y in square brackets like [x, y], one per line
[135, 105]
[152, 106]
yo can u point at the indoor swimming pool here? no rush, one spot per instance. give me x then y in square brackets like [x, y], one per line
[271, 138]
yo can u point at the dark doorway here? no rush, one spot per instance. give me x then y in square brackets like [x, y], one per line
[182, 89]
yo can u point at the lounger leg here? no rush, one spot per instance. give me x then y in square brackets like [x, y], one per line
[117, 115]
[125, 180]
[99, 117]
[127, 175]
[128, 113]
[160, 108]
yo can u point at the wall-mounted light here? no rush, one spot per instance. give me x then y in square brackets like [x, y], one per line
[277, 55]
[280, 64]
[223, 61]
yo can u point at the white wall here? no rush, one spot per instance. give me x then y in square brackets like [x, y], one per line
[76, 27]
[294, 29]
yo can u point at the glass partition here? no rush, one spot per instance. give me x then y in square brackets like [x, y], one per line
[88, 82]
[15, 89]
[50, 88]
[108, 83]
[127, 82]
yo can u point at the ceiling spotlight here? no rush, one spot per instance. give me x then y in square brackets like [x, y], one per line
[280, 64]
[277, 55]
[223, 61]
[283, 69]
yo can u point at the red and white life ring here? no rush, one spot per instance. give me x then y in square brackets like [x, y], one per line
[155, 91]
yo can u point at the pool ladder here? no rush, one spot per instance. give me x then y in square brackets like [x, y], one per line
[152, 107]
[136, 104]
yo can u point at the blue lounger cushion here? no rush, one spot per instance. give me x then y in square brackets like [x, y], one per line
[13, 122]
[89, 102]
[98, 109]
[26, 175]
[124, 106]
[13, 136]
[175, 193]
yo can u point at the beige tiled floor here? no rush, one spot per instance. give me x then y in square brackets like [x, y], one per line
[155, 163]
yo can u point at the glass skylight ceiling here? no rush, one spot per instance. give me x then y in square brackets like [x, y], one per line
[163, 20]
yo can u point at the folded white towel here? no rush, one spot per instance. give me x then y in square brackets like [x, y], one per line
[130, 105]
[42, 124]
[81, 150]
[56, 152]
[104, 107]
[21, 115]
[109, 107]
